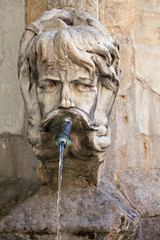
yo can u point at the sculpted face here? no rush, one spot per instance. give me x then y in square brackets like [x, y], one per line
[71, 87]
[68, 71]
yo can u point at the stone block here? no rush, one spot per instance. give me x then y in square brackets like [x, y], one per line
[34, 9]
[147, 105]
[116, 13]
[87, 213]
[147, 5]
[147, 41]
[148, 130]
[155, 141]
[127, 55]
[11, 103]
[141, 188]
[147, 64]
[14, 192]
[90, 6]
[124, 142]
[16, 158]
[142, 108]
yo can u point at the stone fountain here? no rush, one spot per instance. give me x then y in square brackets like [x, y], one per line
[69, 67]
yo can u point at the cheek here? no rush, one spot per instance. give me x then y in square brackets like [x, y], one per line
[84, 100]
[48, 100]
[104, 105]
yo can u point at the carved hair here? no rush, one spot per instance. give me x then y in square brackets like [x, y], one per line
[82, 45]
[89, 45]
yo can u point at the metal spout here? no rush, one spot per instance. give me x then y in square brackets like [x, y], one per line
[64, 136]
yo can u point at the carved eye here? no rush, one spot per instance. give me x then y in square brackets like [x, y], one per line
[81, 87]
[49, 84]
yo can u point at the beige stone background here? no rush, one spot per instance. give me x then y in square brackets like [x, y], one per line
[132, 160]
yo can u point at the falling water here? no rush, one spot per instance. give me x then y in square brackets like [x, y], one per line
[63, 140]
[59, 189]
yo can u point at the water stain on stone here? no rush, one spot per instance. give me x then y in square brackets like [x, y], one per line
[125, 119]
[147, 152]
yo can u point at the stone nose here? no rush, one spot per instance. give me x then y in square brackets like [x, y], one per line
[66, 97]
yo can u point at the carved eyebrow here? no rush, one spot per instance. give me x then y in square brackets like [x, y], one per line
[86, 81]
[45, 78]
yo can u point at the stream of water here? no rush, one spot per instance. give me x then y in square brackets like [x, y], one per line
[59, 190]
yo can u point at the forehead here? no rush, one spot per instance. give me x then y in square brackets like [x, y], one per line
[70, 72]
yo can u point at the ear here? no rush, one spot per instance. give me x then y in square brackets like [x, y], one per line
[31, 103]
[29, 94]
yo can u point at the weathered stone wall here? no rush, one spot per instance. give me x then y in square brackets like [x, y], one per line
[33, 9]
[16, 158]
[133, 157]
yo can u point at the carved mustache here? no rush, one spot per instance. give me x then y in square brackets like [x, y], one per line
[80, 120]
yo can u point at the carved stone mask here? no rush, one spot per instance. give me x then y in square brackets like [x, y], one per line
[68, 67]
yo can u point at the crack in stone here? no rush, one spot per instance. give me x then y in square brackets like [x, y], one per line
[124, 195]
[142, 80]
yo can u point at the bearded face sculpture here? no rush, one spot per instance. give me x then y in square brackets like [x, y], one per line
[68, 67]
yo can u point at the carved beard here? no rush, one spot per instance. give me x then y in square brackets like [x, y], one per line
[88, 137]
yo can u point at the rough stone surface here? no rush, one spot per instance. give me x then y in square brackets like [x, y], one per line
[89, 213]
[147, 42]
[13, 191]
[16, 158]
[111, 12]
[11, 103]
[90, 6]
[34, 9]
[142, 191]
[151, 228]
